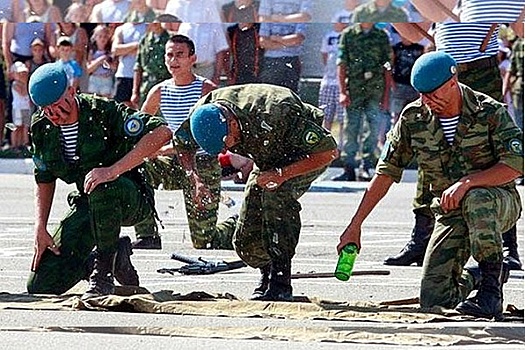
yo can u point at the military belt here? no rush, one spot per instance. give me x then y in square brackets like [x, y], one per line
[487, 62]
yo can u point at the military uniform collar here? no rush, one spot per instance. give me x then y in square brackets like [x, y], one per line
[471, 102]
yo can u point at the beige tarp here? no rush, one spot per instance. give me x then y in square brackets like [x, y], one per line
[395, 323]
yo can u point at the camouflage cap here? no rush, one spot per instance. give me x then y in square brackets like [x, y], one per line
[431, 70]
[208, 127]
[47, 84]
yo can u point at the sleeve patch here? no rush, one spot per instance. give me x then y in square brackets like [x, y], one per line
[516, 146]
[133, 126]
[311, 137]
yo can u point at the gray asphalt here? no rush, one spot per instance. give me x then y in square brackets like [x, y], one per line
[326, 211]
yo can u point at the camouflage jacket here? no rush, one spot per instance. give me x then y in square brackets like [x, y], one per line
[277, 127]
[364, 55]
[368, 13]
[150, 59]
[516, 67]
[486, 135]
[107, 131]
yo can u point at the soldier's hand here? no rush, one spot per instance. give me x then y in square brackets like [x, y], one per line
[352, 234]
[96, 177]
[203, 196]
[452, 196]
[43, 241]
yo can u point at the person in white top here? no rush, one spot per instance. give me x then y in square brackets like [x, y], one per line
[110, 11]
[21, 105]
[201, 21]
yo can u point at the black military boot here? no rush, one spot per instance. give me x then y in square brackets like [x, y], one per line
[264, 281]
[280, 285]
[511, 257]
[347, 175]
[488, 301]
[475, 272]
[101, 278]
[125, 272]
[414, 250]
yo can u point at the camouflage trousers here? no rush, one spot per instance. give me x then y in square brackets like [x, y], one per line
[205, 232]
[475, 230]
[361, 131]
[93, 220]
[487, 81]
[269, 221]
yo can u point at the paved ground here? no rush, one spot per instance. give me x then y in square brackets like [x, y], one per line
[326, 211]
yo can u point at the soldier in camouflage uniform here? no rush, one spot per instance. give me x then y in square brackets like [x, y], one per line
[149, 67]
[379, 11]
[363, 61]
[471, 174]
[290, 149]
[481, 75]
[98, 145]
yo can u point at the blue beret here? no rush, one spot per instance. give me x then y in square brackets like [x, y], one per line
[431, 70]
[47, 84]
[208, 127]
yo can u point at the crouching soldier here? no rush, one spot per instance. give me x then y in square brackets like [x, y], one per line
[99, 146]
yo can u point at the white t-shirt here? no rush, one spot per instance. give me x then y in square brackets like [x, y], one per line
[202, 23]
[329, 46]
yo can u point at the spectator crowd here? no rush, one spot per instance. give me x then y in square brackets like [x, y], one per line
[115, 48]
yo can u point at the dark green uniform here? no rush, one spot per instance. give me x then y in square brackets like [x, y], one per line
[368, 12]
[205, 231]
[150, 59]
[107, 132]
[277, 129]
[485, 136]
[364, 54]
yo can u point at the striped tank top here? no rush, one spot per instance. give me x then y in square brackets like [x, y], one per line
[176, 101]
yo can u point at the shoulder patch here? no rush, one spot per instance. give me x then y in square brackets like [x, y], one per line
[133, 126]
[516, 146]
[311, 137]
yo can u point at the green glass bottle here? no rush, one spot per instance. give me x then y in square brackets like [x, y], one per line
[346, 261]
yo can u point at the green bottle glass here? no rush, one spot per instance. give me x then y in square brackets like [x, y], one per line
[346, 261]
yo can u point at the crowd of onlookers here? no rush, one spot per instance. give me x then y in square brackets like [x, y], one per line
[114, 48]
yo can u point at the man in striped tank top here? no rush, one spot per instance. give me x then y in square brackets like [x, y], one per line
[472, 42]
[175, 97]
[471, 177]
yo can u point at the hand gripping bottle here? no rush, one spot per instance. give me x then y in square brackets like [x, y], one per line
[345, 264]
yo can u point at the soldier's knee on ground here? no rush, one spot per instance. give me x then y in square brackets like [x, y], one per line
[50, 283]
